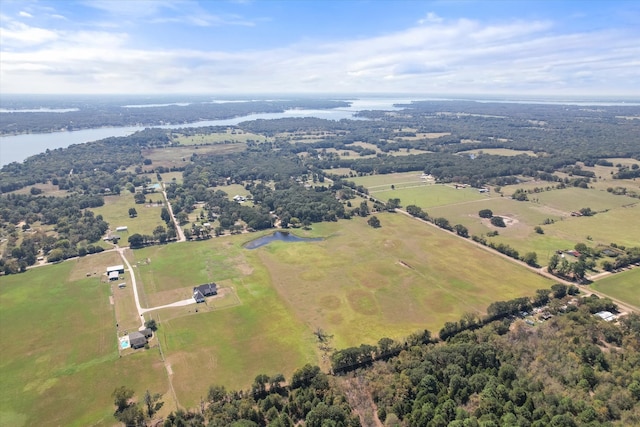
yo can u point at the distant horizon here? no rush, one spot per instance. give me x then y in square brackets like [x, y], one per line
[261, 96]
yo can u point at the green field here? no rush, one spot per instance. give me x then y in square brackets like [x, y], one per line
[251, 330]
[230, 136]
[624, 286]
[116, 212]
[281, 293]
[59, 361]
[612, 224]
[499, 152]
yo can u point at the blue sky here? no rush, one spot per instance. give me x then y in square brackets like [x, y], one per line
[544, 47]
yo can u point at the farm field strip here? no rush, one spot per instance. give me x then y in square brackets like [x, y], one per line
[624, 286]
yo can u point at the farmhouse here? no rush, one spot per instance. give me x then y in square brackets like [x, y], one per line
[137, 339]
[203, 291]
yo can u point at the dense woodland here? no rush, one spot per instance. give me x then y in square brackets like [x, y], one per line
[300, 191]
[573, 369]
[113, 111]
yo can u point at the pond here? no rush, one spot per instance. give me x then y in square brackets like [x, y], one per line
[279, 235]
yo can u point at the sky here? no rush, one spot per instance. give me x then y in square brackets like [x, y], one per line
[455, 47]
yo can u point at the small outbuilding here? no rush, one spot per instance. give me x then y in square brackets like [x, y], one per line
[113, 275]
[606, 315]
[201, 292]
[137, 339]
[118, 268]
[122, 228]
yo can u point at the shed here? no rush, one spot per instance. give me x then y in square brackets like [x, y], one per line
[122, 228]
[114, 275]
[118, 268]
[606, 315]
[137, 339]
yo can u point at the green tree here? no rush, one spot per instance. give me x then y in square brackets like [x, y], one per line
[136, 240]
[364, 209]
[151, 324]
[553, 263]
[374, 222]
[485, 213]
[531, 258]
[539, 229]
[122, 397]
[165, 215]
[461, 230]
[133, 213]
[152, 402]
[498, 221]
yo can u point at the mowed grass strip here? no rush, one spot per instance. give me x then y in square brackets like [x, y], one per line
[624, 286]
[59, 361]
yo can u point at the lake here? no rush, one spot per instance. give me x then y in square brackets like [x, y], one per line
[17, 148]
[279, 236]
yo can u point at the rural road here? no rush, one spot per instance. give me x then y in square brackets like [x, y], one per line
[179, 231]
[142, 311]
[623, 306]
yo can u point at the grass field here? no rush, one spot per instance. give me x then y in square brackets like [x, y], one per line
[180, 156]
[624, 286]
[59, 361]
[429, 195]
[230, 136]
[281, 293]
[500, 152]
[116, 212]
[255, 332]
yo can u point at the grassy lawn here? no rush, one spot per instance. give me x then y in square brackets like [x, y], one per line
[116, 212]
[59, 361]
[624, 286]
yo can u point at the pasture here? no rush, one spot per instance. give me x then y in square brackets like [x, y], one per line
[116, 212]
[228, 137]
[181, 156]
[59, 339]
[624, 286]
[281, 293]
[508, 152]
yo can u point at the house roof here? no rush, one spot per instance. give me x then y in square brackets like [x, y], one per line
[115, 268]
[137, 339]
[206, 289]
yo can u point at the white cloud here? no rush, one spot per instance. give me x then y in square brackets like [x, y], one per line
[24, 14]
[431, 18]
[464, 56]
[19, 34]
